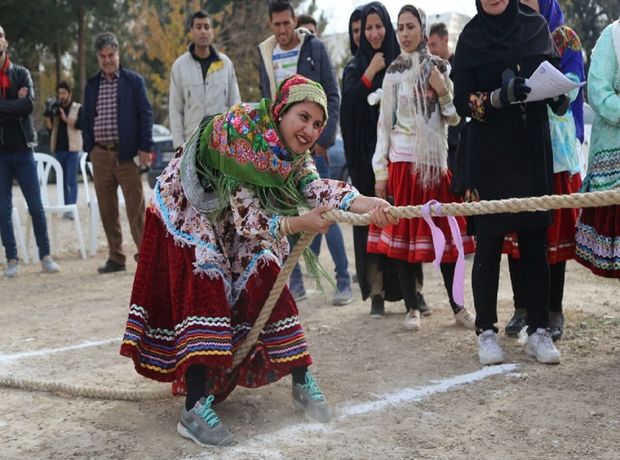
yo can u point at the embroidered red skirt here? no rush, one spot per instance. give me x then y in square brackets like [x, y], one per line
[178, 318]
[411, 239]
[561, 232]
[598, 240]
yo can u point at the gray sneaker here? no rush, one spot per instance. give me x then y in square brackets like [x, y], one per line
[342, 297]
[49, 266]
[12, 268]
[202, 425]
[308, 398]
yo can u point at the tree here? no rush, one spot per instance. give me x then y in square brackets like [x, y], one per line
[160, 36]
[589, 17]
[321, 20]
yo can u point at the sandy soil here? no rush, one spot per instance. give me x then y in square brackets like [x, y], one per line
[364, 366]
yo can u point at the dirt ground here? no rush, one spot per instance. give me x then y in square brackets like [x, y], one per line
[395, 394]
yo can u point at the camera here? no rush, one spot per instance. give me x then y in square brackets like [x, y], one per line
[52, 107]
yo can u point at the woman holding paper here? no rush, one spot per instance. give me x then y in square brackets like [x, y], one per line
[566, 136]
[598, 230]
[410, 162]
[508, 155]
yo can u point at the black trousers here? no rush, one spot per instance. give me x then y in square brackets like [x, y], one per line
[557, 275]
[533, 275]
[409, 275]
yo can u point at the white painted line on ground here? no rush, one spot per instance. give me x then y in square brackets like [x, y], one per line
[416, 394]
[51, 351]
[289, 434]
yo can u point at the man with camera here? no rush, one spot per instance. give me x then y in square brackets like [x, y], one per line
[62, 118]
[17, 161]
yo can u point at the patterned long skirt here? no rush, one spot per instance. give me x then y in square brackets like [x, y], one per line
[411, 239]
[598, 240]
[178, 318]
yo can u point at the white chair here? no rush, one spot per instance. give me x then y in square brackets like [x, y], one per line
[19, 235]
[46, 163]
[86, 167]
[91, 202]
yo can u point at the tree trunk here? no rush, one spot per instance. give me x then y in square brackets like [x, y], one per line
[81, 18]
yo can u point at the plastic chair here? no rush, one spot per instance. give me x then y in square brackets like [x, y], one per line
[45, 164]
[86, 168]
[19, 235]
[19, 238]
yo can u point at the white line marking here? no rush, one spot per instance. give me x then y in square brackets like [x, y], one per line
[416, 394]
[51, 351]
[289, 434]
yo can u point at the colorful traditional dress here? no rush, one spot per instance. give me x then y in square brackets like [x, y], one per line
[213, 248]
[411, 154]
[566, 131]
[598, 229]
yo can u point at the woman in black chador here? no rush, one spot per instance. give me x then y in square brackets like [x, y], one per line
[508, 155]
[358, 120]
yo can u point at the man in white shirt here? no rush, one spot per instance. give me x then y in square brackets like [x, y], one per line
[284, 53]
[202, 81]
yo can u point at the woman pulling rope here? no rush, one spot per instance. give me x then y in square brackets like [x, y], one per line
[214, 243]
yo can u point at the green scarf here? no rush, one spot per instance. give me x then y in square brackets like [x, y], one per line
[242, 148]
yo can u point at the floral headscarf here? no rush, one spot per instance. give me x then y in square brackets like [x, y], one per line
[298, 88]
[242, 147]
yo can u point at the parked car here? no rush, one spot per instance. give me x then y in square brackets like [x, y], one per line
[163, 151]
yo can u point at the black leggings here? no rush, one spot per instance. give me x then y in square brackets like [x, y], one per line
[534, 277]
[196, 379]
[409, 273]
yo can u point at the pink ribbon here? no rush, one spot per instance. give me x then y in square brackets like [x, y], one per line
[439, 245]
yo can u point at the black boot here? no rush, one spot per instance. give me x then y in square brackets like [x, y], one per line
[516, 323]
[425, 309]
[377, 309]
[556, 325]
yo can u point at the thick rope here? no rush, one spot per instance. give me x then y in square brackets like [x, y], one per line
[274, 295]
[512, 205]
[66, 389]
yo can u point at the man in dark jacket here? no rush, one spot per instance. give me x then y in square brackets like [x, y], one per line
[284, 53]
[117, 129]
[17, 160]
[438, 45]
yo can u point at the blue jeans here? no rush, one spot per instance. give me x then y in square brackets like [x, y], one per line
[21, 166]
[69, 162]
[335, 244]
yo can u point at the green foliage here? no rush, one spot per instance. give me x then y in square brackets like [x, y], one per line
[589, 17]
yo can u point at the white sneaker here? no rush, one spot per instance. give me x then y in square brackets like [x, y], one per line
[412, 320]
[541, 346]
[12, 268]
[465, 319]
[49, 266]
[489, 351]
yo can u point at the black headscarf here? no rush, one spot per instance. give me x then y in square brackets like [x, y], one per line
[390, 47]
[355, 16]
[506, 38]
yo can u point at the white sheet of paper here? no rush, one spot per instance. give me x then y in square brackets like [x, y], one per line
[547, 81]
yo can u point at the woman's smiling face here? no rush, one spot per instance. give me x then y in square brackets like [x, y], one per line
[301, 126]
[374, 30]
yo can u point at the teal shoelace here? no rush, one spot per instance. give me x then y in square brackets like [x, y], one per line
[207, 413]
[312, 388]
